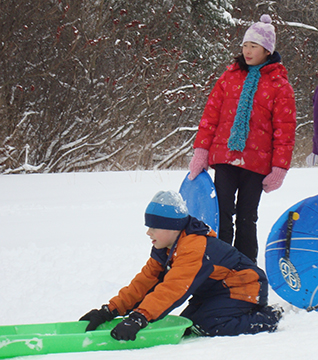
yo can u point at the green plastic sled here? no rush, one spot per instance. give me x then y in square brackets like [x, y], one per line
[37, 339]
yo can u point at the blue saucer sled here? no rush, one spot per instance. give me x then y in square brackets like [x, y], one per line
[292, 255]
[201, 199]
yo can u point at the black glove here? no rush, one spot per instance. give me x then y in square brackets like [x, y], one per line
[98, 317]
[128, 328]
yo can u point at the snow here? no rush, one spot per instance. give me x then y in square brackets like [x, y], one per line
[170, 198]
[305, 26]
[70, 241]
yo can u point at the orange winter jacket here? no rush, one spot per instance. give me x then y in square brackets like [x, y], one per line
[272, 123]
[198, 264]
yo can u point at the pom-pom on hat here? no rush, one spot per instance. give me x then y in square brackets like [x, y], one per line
[262, 33]
[167, 210]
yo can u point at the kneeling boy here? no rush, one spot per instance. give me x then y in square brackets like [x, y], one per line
[228, 291]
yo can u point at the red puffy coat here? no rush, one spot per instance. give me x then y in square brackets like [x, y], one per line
[272, 124]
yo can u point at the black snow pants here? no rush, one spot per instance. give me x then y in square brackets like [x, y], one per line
[239, 192]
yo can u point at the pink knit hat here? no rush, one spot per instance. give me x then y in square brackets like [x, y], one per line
[262, 33]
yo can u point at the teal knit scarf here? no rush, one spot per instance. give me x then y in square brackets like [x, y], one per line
[241, 128]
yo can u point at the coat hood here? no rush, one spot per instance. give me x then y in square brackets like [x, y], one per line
[274, 66]
[197, 227]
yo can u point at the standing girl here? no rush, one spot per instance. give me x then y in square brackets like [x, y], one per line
[247, 134]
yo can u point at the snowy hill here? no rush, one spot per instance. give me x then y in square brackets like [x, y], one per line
[70, 241]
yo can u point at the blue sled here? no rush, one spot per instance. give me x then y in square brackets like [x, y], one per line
[201, 199]
[295, 277]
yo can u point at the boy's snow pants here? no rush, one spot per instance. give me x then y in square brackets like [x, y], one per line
[221, 315]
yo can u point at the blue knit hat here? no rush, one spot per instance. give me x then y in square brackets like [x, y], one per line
[167, 210]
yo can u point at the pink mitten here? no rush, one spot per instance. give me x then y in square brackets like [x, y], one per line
[312, 159]
[274, 180]
[199, 162]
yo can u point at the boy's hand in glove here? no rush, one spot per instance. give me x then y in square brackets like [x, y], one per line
[98, 317]
[128, 328]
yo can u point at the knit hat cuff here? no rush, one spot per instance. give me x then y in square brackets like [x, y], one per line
[167, 223]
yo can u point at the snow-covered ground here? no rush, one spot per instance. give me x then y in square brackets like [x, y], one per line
[69, 242]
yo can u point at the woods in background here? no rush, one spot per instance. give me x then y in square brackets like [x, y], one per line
[118, 85]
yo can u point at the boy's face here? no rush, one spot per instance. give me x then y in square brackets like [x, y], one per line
[162, 238]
